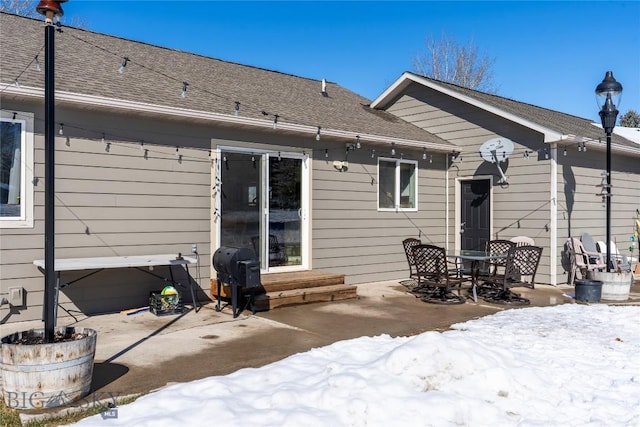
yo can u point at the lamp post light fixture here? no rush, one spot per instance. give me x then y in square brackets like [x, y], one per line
[609, 89]
[50, 9]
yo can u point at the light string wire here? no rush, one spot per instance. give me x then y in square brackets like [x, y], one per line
[181, 81]
[525, 152]
[24, 70]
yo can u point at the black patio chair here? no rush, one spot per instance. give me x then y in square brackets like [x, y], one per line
[519, 271]
[498, 246]
[277, 253]
[435, 279]
[408, 245]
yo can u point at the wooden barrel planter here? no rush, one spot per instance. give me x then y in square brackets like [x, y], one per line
[615, 286]
[47, 375]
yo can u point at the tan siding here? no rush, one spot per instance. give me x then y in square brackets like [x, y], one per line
[112, 203]
[352, 237]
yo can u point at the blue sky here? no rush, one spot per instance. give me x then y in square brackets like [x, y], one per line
[547, 53]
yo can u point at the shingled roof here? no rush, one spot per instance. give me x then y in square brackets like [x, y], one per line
[87, 64]
[572, 128]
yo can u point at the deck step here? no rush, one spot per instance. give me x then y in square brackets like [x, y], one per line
[278, 282]
[290, 288]
[283, 298]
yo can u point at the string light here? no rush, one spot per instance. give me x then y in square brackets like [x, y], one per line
[424, 153]
[14, 115]
[318, 134]
[236, 109]
[61, 131]
[253, 161]
[102, 139]
[16, 83]
[37, 63]
[373, 153]
[279, 156]
[184, 89]
[584, 146]
[393, 148]
[564, 152]
[430, 158]
[125, 60]
[546, 154]
[358, 141]
[107, 147]
[275, 121]
[145, 154]
[579, 147]
[326, 153]
[226, 162]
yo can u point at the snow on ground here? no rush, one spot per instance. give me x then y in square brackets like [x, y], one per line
[566, 365]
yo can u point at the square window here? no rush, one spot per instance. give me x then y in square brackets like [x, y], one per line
[16, 170]
[397, 184]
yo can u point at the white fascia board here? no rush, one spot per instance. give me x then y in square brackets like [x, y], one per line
[599, 145]
[407, 78]
[98, 101]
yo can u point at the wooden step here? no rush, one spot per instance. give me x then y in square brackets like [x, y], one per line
[278, 282]
[283, 298]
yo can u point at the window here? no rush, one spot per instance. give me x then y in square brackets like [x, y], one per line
[16, 169]
[397, 184]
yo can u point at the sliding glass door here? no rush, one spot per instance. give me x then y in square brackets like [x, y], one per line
[262, 206]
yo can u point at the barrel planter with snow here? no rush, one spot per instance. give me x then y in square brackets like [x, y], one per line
[45, 375]
[615, 286]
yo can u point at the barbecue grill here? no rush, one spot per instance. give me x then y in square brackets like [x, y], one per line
[238, 268]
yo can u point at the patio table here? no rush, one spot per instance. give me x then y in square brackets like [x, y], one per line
[476, 257]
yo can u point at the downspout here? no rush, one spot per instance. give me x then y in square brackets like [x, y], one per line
[553, 215]
[446, 201]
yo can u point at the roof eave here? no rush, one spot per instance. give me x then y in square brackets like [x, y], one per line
[392, 91]
[228, 119]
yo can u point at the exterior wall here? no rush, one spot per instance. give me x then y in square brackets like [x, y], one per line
[118, 202]
[348, 234]
[580, 210]
[351, 236]
[110, 204]
[520, 208]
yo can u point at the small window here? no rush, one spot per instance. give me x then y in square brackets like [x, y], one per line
[397, 184]
[16, 169]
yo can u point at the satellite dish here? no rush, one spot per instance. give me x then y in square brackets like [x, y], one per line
[497, 150]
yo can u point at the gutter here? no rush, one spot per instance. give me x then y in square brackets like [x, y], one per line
[118, 104]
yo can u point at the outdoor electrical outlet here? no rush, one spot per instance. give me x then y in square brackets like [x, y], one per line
[16, 297]
[194, 249]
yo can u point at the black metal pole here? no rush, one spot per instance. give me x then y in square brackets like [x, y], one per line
[608, 201]
[49, 188]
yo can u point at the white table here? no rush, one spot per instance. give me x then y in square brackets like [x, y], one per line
[99, 264]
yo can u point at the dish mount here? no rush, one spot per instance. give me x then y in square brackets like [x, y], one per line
[497, 150]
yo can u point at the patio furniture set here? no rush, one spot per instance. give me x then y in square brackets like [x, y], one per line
[490, 273]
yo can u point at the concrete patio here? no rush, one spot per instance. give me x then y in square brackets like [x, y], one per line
[141, 352]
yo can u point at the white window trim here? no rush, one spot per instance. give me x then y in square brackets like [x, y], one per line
[26, 184]
[396, 197]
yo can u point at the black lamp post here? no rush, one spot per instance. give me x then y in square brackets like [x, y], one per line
[50, 9]
[608, 88]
